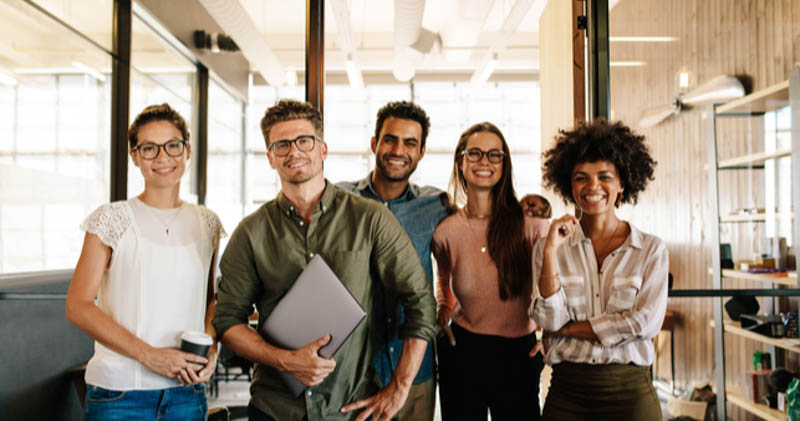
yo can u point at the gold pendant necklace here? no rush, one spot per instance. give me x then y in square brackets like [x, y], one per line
[484, 248]
[158, 218]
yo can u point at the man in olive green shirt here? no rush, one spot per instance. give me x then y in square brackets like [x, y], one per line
[363, 244]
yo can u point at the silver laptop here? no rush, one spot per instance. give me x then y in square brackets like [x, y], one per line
[317, 304]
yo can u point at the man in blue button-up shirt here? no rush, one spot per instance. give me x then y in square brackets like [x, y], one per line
[399, 145]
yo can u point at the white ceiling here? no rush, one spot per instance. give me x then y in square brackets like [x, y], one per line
[372, 24]
[29, 40]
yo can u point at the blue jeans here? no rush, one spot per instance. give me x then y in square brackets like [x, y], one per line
[172, 404]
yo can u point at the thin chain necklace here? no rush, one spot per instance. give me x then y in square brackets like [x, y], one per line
[158, 218]
[616, 227]
[469, 226]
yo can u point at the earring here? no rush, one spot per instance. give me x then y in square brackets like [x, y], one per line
[619, 200]
[578, 212]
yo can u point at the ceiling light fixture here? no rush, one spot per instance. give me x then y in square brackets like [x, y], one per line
[291, 77]
[683, 79]
[7, 80]
[482, 75]
[353, 74]
[627, 63]
[234, 21]
[89, 71]
[510, 25]
[641, 39]
[341, 14]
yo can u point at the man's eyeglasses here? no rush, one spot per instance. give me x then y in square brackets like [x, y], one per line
[495, 156]
[148, 151]
[303, 143]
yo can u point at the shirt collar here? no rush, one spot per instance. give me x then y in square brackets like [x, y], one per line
[365, 185]
[324, 204]
[634, 239]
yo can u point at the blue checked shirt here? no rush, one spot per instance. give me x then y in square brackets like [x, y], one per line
[419, 210]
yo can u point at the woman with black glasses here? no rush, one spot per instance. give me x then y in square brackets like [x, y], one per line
[488, 355]
[150, 262]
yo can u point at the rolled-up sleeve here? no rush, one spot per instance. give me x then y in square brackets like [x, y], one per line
[644, 319]
[550, 313]
[240, 285]
[397, 265]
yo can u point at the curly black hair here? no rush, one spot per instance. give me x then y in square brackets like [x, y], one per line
[599, 141]
[407, 111]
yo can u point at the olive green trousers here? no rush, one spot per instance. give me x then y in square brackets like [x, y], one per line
[583, 392]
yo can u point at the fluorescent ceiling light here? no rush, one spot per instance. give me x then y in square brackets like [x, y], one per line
[510, 25]
[482, 75]
[627, 63]
[7, 80]
[353, 74]
[642, 39]
[341, 13]
[291, 77]
[88, 70]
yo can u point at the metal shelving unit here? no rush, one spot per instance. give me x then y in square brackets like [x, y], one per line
[786, 93]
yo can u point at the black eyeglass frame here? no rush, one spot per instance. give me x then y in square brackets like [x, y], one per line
[289, 142]
[160, 147]
[465, 153]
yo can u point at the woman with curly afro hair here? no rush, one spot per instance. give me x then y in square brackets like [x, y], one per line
[602, 283]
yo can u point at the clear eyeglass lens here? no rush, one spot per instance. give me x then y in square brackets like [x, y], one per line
[305, 143]
[474, 155]
[281, 148]
[495, 156]
[148, 151]
[174, 148]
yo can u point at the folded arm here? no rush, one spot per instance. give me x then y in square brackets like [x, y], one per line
[644, 319]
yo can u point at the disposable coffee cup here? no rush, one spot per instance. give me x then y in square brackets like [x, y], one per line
[195, 342]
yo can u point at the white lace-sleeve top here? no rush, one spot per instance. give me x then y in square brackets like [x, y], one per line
[156, 282]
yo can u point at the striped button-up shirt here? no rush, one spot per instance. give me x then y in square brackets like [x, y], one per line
[624, 300]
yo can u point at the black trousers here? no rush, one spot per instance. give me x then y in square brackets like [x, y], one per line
[488, 373]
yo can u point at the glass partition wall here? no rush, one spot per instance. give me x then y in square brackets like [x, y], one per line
[48, 102]
[54, 149]
[160, 74]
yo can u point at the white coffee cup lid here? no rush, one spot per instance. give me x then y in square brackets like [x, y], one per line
[196, 337]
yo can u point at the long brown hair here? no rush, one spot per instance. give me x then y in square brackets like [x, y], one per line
[508, 247]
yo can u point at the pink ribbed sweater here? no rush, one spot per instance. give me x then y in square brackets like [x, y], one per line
[467, 278]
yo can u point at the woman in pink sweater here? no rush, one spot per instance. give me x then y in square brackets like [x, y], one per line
[488, 358]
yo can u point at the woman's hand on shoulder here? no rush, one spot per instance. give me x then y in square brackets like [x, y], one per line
[560, 229]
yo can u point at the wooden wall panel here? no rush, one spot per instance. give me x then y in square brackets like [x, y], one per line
[755, 39]
[555, 72]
